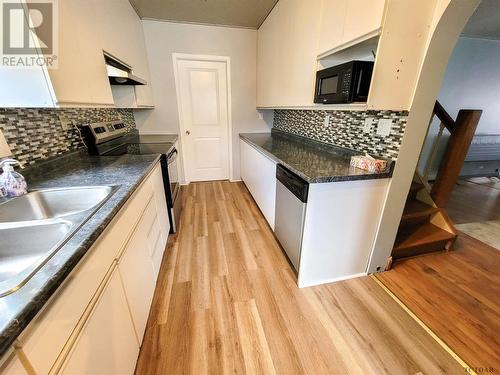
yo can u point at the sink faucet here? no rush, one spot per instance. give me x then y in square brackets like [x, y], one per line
[12, 184]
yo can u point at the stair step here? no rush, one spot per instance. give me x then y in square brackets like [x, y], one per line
[423, 239]
[415, 187]
[416, 211]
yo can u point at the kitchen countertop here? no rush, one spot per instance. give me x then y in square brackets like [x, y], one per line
[314, 161]
[72, 170]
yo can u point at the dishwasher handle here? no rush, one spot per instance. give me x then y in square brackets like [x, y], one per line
[295, 184]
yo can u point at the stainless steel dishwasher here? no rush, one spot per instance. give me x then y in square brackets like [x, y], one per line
[291, 203]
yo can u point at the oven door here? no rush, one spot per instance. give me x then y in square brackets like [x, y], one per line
[173, 174]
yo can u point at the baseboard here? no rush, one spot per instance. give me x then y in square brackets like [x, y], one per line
[331, 280]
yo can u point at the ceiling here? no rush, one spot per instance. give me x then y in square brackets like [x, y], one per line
[485, 22]
[240, 13]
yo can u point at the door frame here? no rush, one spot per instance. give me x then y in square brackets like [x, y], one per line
[176, 58]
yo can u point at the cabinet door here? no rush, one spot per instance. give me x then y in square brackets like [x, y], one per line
[123, 37]
[25, 87]
[287, 52]
[332, 24]
[259, 174]
[138, 274]
[362, 17]
[81, 77]
[12, 365]
[107, 344]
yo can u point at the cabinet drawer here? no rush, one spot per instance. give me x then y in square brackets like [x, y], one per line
[47, 334]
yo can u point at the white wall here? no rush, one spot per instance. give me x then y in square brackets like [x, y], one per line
[471, 81]
[165, 38]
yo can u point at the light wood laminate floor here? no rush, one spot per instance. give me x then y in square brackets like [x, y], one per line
[457, 295]
[227, 302]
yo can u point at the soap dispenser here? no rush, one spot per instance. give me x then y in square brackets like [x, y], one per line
[12, 184]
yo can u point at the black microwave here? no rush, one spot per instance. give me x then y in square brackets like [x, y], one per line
[346, 83]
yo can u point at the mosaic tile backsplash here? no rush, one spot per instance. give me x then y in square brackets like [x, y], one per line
[36, 133]
[345, 129]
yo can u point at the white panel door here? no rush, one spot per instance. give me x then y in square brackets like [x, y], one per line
[202, 95]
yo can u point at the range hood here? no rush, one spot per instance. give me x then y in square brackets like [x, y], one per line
[120, 73]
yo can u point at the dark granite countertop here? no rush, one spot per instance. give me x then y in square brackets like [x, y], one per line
[314, 161]
[74, 169]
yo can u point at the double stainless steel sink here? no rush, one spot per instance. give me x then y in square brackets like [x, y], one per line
[35, 226]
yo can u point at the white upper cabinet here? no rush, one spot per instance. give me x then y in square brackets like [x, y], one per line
[86, 28]
[363, 17]
[122, 36]
[286, 56]
[21, 87]
[81, 77]
[347, 21]
[295, 33]
[332, 24]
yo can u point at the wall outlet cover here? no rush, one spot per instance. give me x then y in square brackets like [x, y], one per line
[384, 127]
[367, 128]
[327, 121]
[260, 115]
[66, 123]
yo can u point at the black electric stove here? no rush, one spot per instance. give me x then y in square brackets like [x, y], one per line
[113, 139]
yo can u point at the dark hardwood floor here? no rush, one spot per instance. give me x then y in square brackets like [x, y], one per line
[475, 200]
[457, 295]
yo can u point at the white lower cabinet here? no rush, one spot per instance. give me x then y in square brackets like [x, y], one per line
[138, 274]
[340, 226]
[86, 328]
[258, 172]
[107, 343]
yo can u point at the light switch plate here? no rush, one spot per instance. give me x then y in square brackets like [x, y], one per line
[327, 121]
[66, 123]
[367, 128]
[384, 127]
[4, 147]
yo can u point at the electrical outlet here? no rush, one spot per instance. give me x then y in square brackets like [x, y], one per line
[327, 121]
[66, 123]
[384, 127]
[260, 115]
[367, 128]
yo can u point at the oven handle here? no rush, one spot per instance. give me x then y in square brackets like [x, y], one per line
[172, 155]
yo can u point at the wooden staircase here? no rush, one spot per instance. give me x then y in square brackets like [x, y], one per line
[421, 230]
[425, 226]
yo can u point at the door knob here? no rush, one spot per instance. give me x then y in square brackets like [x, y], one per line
[188, 132]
